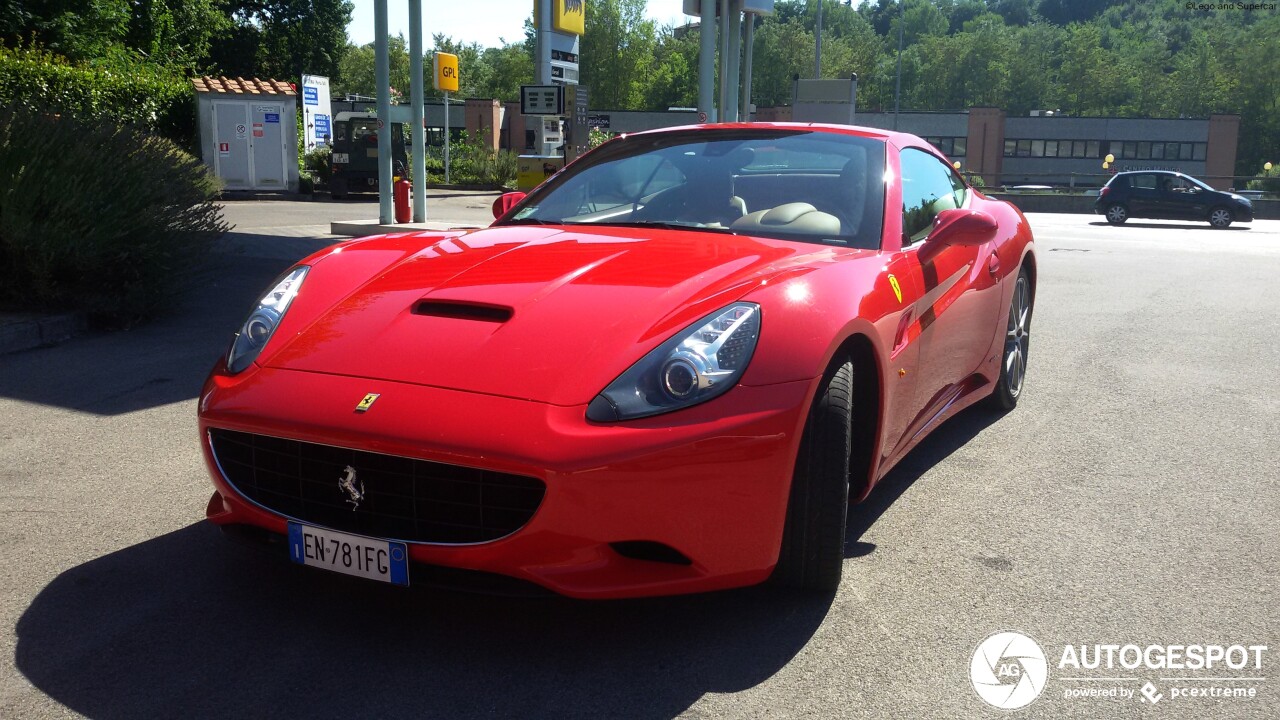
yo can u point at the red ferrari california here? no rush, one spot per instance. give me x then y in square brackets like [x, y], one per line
[668, 369]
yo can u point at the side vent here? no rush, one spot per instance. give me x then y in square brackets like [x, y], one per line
[462, 310]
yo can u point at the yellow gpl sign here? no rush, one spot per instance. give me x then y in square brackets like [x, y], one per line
[446, 72]
[569, 16]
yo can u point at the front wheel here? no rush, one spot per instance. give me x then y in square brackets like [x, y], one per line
[1017, 342]
[1221, 217]
[1117, 214]
[812, 553]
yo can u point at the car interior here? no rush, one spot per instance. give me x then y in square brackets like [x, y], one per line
[813, 191]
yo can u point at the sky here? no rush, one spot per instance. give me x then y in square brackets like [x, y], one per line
[487, 22]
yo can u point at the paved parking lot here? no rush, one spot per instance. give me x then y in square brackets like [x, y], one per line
[1130, 499]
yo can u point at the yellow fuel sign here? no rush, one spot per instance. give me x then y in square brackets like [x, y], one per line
[446, 72]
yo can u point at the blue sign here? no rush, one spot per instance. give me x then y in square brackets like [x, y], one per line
[310, 95]
[273, 117]
[322, 126]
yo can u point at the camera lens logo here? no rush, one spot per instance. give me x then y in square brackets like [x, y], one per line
[1008, 670]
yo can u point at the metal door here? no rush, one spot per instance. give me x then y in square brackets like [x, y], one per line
[233, 153]
[267, 141]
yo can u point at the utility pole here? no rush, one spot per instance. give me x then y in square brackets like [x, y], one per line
[382, 71]
[897, 90]
[817, 60]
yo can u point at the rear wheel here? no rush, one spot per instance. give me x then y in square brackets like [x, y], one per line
[812, 554]
[1221, 217]
[337, 188]
[1017, 342]
[1117, 214]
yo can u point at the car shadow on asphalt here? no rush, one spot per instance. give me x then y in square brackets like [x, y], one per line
[153, 364]
[190, 625]
[952, 435]
[1168, 226]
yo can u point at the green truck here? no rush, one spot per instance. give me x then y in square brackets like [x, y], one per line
[353, 164]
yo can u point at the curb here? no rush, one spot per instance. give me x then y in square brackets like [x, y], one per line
[365, 228]
[20, 332]
[234, 195]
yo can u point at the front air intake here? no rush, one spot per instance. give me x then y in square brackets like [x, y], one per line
[400, 498]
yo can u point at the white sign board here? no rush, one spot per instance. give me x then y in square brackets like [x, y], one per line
[317, 115]
[541, 100]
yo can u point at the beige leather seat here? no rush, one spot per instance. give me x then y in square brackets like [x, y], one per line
[795, 218]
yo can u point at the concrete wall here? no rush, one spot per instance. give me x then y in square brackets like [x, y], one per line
[1220, 158]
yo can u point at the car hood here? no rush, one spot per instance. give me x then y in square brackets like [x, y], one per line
[538, 313]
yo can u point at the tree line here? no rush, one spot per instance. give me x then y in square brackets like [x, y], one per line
[1155, 58]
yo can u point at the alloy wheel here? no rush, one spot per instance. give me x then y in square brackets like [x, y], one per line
[1018, 337]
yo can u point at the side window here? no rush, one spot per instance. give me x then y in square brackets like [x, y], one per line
[1144, 182]
[927, 190]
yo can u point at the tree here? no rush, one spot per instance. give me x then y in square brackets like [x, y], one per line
[176, 34]
[284, 38]
[617, 53]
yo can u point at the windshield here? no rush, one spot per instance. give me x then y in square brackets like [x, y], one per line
[788, 184]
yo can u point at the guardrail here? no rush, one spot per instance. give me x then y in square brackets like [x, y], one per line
[1083, 204]
[1083, 182]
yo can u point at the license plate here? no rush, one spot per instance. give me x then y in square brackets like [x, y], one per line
[349, 554]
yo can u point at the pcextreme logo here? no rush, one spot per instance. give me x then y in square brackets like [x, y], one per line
[1009, 670]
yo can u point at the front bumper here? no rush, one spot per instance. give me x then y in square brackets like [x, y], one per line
[710, 482]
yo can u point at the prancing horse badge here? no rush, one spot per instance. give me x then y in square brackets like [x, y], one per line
[367, 402]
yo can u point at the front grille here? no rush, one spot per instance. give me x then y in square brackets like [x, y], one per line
[404, 499]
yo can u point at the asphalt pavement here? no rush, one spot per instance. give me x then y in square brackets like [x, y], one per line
[1131, 498]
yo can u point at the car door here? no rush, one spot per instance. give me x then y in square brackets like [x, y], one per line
[959, 306]
[1187, 199]
[1144, 196]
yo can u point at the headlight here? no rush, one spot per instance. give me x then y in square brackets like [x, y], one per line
[264, 319]
[694, 366]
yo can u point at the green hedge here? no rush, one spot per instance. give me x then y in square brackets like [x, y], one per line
[118, 89]
[98, 217]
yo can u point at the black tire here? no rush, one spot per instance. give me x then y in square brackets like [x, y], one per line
[1117, 214]
[812, 553]
[338, 188]
[1017, 345]
[1221, 217]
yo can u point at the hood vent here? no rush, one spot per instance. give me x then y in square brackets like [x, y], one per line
[463, 310]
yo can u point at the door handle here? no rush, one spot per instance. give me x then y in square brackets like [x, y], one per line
[993, 264]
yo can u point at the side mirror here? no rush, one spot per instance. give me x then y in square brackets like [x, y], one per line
[505, 202]
[958, 227]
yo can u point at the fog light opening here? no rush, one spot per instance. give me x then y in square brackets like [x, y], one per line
[650, 551]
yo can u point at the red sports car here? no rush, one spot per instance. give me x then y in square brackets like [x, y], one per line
[668, 369]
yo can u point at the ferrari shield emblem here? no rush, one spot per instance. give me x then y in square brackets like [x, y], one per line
[366, 403]
[897, 289]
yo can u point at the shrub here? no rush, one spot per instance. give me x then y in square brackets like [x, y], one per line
[316, 163]
[597, 137]
[1267, 181]
[471, 162]
[118, 88]
[98, 217]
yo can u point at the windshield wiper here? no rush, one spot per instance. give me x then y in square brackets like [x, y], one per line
[670, 225]
[531, 221]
